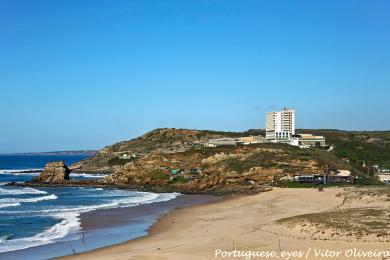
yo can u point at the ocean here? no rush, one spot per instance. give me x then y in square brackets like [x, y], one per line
[46, 222]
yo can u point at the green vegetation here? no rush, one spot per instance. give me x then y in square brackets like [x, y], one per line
[288, 158]
[116, 161]
[187, 147]
[159, 175]
[260, 159]
[250, 132]
[372, 147]
[368, 181]
[370, 153]
[293, 184]
[178, 179]
[360, 221]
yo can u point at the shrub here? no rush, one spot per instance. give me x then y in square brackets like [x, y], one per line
[160, 175]
[179, 179]
[116, 161]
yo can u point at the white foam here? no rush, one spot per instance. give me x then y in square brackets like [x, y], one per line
[4, 238]
[21, 171]
[70, 224]
[27, 200]
[144, 198]
[87, 175]
[20, 191]
[6, 205]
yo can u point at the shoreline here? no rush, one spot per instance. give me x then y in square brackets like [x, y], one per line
[160, 225]
[105, 227]
[233, 223]
[89, 183]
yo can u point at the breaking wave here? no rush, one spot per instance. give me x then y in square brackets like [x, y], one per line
[6, 205]
[87, 175]
[14, 201]
[22, 171]
[69, 226]
[20, 191]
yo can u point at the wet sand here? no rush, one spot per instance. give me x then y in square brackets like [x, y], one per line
[106, 218]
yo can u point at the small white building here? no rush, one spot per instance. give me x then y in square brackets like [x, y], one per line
[221, 141]
[235, 141]
[343, 173]
[307, 140]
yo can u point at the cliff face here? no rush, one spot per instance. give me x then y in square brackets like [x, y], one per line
[176, 160]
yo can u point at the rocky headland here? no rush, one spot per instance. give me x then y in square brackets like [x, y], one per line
[177, 160]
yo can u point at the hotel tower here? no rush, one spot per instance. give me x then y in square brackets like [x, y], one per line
[280, 125]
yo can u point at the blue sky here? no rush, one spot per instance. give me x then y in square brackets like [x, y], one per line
[85, 74]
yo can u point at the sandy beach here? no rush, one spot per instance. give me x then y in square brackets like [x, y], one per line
[238, 223]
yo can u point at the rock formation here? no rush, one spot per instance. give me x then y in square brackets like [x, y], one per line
[166, 160]
[54, 173]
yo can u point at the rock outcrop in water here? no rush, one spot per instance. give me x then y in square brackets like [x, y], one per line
[54, 173]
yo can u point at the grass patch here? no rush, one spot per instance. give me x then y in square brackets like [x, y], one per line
[360, 221]
[119, 162]
[179, 179]
[159, 175]
[260, 159]
[292, 184]
[368, 181]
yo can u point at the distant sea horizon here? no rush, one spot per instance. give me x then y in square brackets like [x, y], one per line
[65, 152]
[35, 161]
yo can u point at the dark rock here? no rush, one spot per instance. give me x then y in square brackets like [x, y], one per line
[54, 172]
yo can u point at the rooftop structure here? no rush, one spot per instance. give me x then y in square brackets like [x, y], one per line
[325, 178]
[221, 141]
[307, 140]
[235, 141]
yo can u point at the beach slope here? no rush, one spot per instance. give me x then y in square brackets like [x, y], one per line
[239, 223]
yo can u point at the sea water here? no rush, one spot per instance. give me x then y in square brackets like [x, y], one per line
[31, 217]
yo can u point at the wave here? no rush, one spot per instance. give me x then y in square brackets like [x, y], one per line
[70, 221]
[21, 171]
[87, 175]
[141, 198]
[4, 238]
[70, 224]
[7, 205]
[9, 201]
[20, 191]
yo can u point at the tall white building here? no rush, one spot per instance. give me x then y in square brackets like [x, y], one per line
[280, 125]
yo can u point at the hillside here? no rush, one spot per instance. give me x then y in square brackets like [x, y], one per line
[227, 169]
[153, 160]
[372, 147]
[158, 141]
